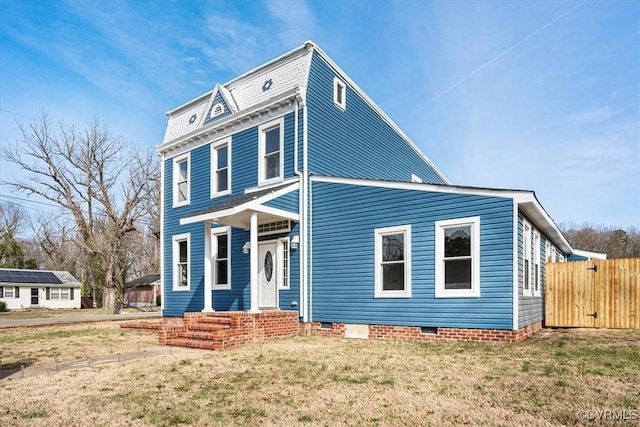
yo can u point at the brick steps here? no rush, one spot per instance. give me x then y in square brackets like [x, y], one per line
[205, 345]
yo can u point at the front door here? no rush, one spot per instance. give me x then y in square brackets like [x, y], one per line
[267, 288]
[35, 300]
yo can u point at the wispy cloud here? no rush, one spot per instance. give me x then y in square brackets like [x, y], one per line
[296, 20]
[589, 117]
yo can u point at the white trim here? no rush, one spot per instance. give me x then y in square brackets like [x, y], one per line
[378, 235]
[176, 169]
[590, 254]
[416, 178]
[527, 279]
[215, 232]
[515, 262]
[262, 130]
[162, 243]
[253, 205]
[215, 146]
[339, 87]
[176, 239]
[292, 180]
[440, 226]
[537, 270]
[286, 269]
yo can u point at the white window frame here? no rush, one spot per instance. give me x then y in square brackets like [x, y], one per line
[339, 87]
[176, 169]
[262, 130]
[12, 290]
[214, 167]
[537, 280]
[283, 250]
[214, 257]
[175, 259]
[527, 280]
[440, 226]
[379, 292]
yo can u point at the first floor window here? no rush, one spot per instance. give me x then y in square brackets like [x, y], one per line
[181, 262]
[536, 264]
[9, 292]
[222, 257]
[60, 293]
[458, 257]
[526, 267]
[393, 262]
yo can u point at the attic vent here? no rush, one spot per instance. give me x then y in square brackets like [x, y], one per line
[274, 227]
[267, 85]
[217, 110]
[192, 119]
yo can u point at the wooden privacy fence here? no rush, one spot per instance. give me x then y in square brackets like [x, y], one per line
[593, 294]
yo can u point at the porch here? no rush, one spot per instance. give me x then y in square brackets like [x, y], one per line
[221, 329]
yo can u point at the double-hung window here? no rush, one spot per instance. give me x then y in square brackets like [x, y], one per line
[526, 266]
[457, 263]
[9, 292]
[181, 254]
[181, 180]
[221, 168]
[270, 162]
[393, 262]
[221, 251]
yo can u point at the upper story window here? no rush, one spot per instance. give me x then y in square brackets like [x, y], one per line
[339, 93]
[526, 264]
[270, 161]
[221, 239]
[393, 262]
[181, 180]
[458, 258]
[221, 168]
[181, 262]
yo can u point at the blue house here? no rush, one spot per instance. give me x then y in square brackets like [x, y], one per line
[289, 189]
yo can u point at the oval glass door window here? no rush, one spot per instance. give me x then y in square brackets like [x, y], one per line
[268, 266]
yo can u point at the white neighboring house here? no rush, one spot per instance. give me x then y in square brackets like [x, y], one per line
[22, 289]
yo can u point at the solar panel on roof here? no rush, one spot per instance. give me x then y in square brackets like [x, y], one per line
[29, 276]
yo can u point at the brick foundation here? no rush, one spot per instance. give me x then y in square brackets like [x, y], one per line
[415, 333]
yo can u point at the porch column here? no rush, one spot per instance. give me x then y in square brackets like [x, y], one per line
[254, 263]
[208, 271]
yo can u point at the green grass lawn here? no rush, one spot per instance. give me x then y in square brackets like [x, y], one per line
[548, 380]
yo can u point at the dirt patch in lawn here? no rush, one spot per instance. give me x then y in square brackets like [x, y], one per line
[547, 380]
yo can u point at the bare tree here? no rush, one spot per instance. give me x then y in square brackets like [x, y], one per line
[11, 252]
[615, 242]
[99, 180]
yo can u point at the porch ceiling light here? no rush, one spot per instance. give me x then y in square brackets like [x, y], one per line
[246, 248]
[295, 241]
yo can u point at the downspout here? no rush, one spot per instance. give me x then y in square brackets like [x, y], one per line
[303, 216]
[162, 278]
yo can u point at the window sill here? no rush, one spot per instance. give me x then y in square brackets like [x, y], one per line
[178, 205]
[181, 289]
[221, 288]
[382, 295]
[220, 194]
[454, 294]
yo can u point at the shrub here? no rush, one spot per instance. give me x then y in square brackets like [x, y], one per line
[158, 300]
[3, 306]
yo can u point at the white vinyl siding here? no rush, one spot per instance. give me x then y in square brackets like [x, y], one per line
[457, 268]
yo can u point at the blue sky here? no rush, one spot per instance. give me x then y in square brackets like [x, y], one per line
[536, 95]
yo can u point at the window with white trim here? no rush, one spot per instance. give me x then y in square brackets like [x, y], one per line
[9, 292]
[339, 93]
[270, 162]
[393, 262]
[221, 253]
[526, 263]
[221, 168]
[536, 264]
[181, 180]
[457, 262]
[283, 251]
[181, 265]
[62, 294]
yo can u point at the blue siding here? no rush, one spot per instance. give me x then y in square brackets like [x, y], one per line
[343, 257]
[288, 202]
[218, 99]
[530, 308]
[355, 142]
[244, 171]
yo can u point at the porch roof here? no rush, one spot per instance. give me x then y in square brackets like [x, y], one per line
[236, 211]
